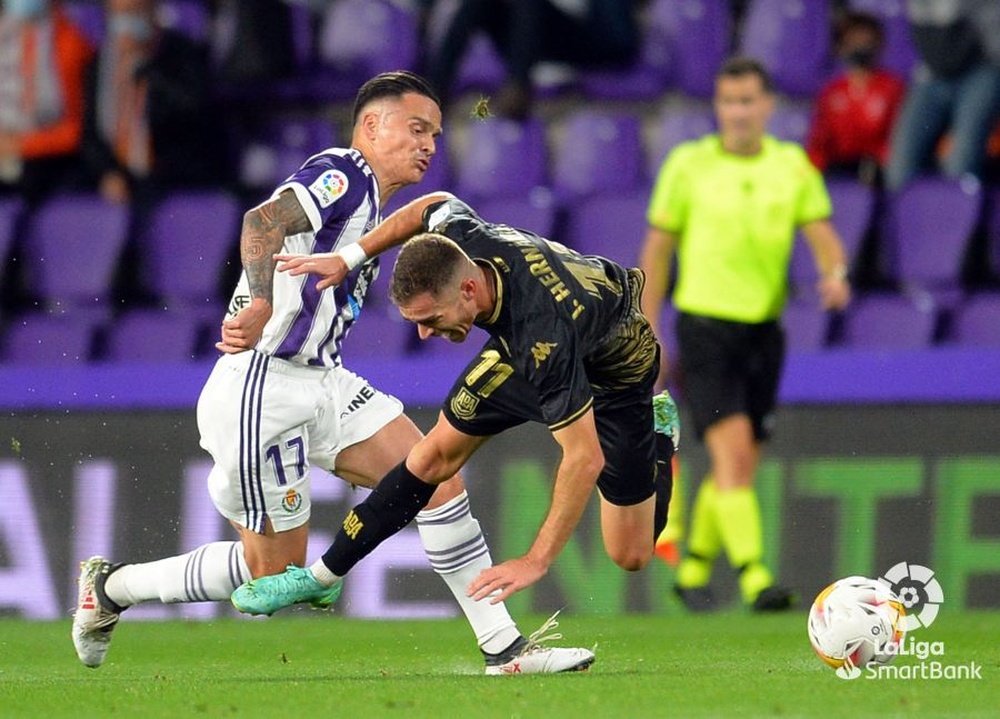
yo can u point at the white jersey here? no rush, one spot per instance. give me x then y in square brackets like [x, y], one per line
[339, 193]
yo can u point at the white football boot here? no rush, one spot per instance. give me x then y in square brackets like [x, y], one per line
[96, 616]
[530, 656]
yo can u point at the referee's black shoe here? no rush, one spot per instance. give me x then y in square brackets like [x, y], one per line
[774, 599]
[696, 599]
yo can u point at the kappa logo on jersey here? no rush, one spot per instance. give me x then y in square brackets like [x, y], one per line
[463, 404]
[541, 352]
[328, 187]
[291, 501]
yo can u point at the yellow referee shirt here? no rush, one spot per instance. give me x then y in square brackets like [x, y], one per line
[735, 218]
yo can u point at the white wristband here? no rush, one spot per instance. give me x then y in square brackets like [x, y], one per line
[353, 255]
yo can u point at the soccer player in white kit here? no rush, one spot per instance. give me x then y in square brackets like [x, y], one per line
[279, 399]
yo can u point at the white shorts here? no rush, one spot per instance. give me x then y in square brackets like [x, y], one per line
[264, 420]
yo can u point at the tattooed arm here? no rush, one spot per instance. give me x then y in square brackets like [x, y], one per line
[264, 231]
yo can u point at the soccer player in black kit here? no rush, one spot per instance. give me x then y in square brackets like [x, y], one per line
[568, 347]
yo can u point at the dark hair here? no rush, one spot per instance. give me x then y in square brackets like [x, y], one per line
[742, 66]
[392, 84]
[427, 263]
[858, 20]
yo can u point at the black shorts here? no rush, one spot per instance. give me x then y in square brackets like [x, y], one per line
[624, 419]
[730, 368]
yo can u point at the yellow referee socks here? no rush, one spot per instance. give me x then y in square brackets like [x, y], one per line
[704, 539]
[737, 514]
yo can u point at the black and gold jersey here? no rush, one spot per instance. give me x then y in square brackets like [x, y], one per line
[566, 327]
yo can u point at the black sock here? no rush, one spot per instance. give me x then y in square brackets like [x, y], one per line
[664, 483]
[391, 506]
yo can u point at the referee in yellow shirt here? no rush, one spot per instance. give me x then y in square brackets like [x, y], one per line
[728, 204]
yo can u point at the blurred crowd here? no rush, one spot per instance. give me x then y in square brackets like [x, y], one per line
[129, 96]
[131, 100]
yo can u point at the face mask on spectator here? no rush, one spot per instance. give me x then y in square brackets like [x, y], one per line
[25, 9]
[864, 57]
[131, 25]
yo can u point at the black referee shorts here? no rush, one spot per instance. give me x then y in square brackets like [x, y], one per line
[730, 368]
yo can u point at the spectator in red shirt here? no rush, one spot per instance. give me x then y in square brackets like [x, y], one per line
[856, 110]
[43, 60]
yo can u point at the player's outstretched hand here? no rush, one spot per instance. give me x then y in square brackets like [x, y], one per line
[501, 581]
[243, 331]
[329, 266]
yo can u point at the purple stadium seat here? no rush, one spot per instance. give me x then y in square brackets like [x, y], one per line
[899, 55]
[379, 332]
[927, 229]
[481, 67]
[792, 39]
[361, 38]
[502, 158]
[699, 39]
[790, 123]
[853, 205]
[152, 336]
[889, 322]
[992, 224]
[679, 124]
[88, 15]
[597, 153]
[805, 325]
[977, 321]
[10, 213]
[187, 240]
[613, 226]
[188, 17]
[41, 338]
[280, 148]
[71, 250]
[651, 74]
[536, 212]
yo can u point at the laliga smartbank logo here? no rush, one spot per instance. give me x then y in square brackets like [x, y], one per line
[921, 597]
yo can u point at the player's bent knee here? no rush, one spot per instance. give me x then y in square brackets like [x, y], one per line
[629, 559]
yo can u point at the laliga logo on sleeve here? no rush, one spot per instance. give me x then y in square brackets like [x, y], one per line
[328, 187]
[919, 592]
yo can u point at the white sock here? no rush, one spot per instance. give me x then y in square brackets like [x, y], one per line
[323, 574]
[458, 553]
[209, 573]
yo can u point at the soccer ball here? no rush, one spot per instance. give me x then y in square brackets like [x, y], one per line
[856, 621]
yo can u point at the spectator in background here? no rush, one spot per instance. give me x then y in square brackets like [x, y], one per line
[256, 41]
[729, 205]
[582, 33]
[43, 61]
[149, 111]
[956, 87]
[855, 111]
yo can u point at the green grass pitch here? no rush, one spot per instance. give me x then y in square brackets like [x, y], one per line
[729, 664]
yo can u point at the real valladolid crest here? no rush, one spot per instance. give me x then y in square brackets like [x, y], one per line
[858, 626]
